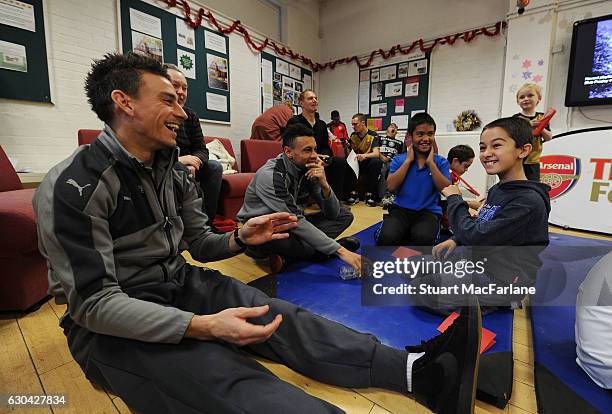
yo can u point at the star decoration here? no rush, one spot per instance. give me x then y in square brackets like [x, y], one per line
[537, 78]
[526, 75]
[186, 62]
[526, 64]
[541, 62]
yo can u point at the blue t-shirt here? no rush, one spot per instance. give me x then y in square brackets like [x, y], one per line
[418, 191]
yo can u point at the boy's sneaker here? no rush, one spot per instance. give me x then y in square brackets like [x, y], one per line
[370, 200]
[444, 379]
[352, 198]
[387, 201]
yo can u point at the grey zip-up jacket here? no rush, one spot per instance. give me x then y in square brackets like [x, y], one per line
[108, 225]
[280, 185]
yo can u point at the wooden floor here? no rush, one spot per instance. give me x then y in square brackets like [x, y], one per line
[34, 358]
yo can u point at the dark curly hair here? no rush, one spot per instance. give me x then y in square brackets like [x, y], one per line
[293, 131]
[117, 71]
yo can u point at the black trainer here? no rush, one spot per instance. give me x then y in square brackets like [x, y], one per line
[349, 243]
[352, 198]
[445, 378]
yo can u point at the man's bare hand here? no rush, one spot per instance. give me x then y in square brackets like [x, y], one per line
[316, 172]
[410, 155]
[451, 190]
[262, 229]
[444, 249]
[231, 325]
[190, 161]
[350, 258]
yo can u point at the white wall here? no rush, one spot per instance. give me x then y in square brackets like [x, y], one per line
[463, 76]
[351, 27]
[568, 119]
[41, 135]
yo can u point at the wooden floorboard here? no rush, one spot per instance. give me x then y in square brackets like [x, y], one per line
[34, 357]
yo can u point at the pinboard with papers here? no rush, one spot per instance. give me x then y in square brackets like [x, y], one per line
[202, 54]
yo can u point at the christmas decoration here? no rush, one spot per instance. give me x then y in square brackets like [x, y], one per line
[423, 46]
[467, 121]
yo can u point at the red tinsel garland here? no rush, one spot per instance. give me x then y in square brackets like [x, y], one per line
[467, 37]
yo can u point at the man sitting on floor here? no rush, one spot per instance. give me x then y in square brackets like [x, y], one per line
[285, 183]
[165, 336]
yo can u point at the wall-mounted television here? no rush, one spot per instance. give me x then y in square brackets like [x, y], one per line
[589, 80]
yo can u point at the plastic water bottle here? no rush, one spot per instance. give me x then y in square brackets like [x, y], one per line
[348, 273]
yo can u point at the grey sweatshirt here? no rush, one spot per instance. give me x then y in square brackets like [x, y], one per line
[108, 225]
[280, 185]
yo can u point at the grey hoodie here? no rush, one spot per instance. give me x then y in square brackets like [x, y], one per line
[110, 227]
[280, 185]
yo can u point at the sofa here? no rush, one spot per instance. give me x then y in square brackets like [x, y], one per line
[23, 270]
[255, 153]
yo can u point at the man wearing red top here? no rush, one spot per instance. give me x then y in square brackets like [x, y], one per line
[270, 125]
[337, 127]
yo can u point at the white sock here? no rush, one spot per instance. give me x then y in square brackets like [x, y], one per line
[412, 357]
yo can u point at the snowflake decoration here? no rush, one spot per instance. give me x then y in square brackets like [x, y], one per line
[513, 88]
[537, 78]
[186, 62]
[526, 75]
[526, 64]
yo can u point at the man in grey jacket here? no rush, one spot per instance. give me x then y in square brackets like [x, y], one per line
[167, 337]
[286, 183]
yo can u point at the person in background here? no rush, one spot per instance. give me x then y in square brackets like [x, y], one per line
[389, 146]
[528, 97]
[460, 158]
[337, 127]
[335, 167]
[194, 154]
[270, 124]
[362, 140]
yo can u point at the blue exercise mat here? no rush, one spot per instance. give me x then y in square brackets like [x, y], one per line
[319, 288]
[561, 385]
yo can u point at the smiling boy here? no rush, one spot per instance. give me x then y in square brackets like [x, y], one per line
[416, 177]
[514, 214]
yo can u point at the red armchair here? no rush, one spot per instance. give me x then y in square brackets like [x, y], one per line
[23, 270]
[255, 153]
[87, 136]
[233, 186]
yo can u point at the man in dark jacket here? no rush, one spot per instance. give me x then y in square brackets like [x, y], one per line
[165, 336]
[194, 154]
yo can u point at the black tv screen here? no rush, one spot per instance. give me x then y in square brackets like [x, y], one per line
[589, 81]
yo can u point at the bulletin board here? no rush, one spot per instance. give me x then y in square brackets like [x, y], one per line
[202, 54]
[282, 80]
[394, 92]
[24, 73]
